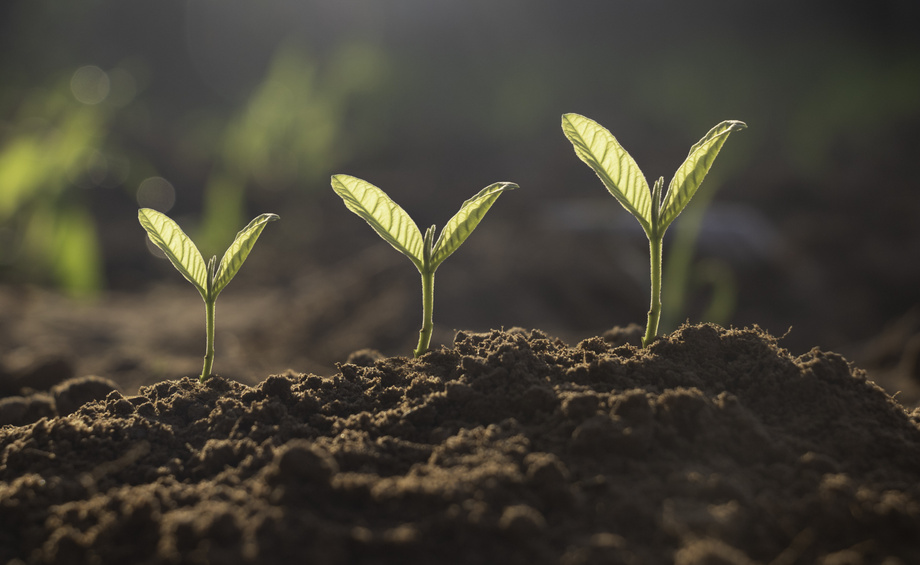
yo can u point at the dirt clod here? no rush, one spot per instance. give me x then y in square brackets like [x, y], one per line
[71, 394]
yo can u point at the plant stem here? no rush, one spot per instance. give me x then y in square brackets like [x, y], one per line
[654, 312]
[209, 354]
[424, 335]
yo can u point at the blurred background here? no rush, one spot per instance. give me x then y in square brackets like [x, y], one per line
[214, 111]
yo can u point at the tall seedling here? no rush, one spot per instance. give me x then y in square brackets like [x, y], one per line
[210, 279]
[394, 225]
[624, 180]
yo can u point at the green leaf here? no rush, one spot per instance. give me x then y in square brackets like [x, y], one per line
[465, 221]
[614, 166]
[179, 249]
[656, 201]
[238, 251]
[691, 173]
[391, 222]
[428, 245]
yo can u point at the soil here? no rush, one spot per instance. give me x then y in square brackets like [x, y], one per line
[710, 446]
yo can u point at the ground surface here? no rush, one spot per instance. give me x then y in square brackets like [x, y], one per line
[711, 446]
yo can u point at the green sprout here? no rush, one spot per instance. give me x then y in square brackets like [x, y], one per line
[210, 279]
[394, 225]
[624, 180]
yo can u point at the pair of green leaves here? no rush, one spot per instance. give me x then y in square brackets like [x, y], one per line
[624, 180]
[395, 226]
[210, 279]
[597, 147]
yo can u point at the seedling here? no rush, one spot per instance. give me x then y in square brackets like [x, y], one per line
[624, 180]
[209, 279]
[394, 225]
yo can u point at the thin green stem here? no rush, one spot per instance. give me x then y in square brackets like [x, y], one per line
[424, 335]
[654, 312]
[209, 354]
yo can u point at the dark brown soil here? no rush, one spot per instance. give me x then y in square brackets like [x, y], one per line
[711, 446]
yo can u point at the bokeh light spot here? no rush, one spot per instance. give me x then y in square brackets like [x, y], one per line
[90, 84]
[157, 193]
[154, 250]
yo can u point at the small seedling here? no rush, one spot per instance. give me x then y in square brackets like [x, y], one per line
[624, 180]
[209, 279]
[395, 226]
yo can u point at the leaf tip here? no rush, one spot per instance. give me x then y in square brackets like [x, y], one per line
[736, 125]
[340, 178]
[570, 117]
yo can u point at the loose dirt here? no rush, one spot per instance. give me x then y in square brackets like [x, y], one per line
[711, 446]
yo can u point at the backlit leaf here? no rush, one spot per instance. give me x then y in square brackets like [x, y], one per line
[391, 222]
[179, 249]
[465, 221]
[236, 254]
[614, 166]
[691, 173]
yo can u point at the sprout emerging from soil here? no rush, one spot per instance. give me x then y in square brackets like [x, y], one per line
[395, 226]
[210, 279]
[624, 180]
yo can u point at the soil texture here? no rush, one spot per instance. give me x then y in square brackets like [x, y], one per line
[710, 446]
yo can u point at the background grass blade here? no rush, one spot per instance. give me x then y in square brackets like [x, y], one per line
[597, 147]
[458, 228]
[179, 249]
[391, 222]
[236, 254]
[691, 173]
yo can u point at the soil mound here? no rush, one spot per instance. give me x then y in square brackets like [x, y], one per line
[710, 446]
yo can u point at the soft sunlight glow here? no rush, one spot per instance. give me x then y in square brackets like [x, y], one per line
[157, 193]
[90, 85]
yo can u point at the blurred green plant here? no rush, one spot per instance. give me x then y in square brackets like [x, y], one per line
[683, 272]
[653, 208]
[394, 225]
[51, 141]
[289, 132]
[211, 278]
